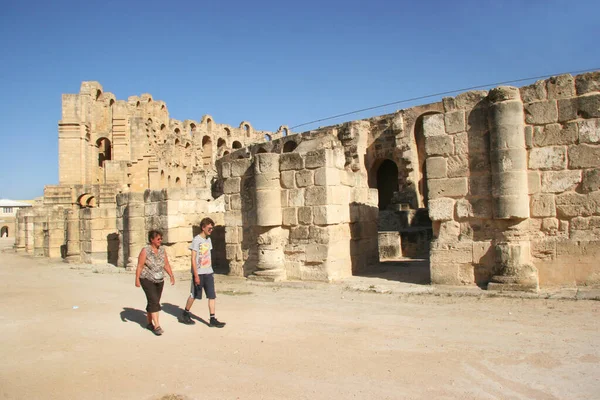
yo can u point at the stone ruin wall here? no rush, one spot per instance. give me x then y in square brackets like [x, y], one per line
[508, 180]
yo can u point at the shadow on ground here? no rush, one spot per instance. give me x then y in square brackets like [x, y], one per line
[177, 311]
[134, 315]
[408, 271]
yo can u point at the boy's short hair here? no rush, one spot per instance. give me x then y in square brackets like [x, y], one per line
[206, 221]
[154, 233]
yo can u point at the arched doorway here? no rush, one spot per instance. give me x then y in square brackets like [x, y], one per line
[4, 231]
[387, 182]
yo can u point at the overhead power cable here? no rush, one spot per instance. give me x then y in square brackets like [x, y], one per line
[442, 94]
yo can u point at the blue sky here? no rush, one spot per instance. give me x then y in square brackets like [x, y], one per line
[268, 62]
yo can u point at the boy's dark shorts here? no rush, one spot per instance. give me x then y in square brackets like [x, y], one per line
[207, 282]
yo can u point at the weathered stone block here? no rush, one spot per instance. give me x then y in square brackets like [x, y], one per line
[316, 196]
[291, 161]
[560, 181]
[445, 274]
[305, 215]
[296, 197]
[534, 92]
[439, 145]
[588, 106]
[461, 143]
[588, 82]
[235, 202]
[560, 87]
[555, 134]
[451, 187]
[316, 252]
[542, 205]
[331, 214]
[288, 180]
[327, 176]
[541, 112]
[289, 216]
[548, 158]
[529, 136]
[316, 159]
[436, 167]
[449, 231]
[590, 181]
[231, 234]
[480, 185]
[534, 182]
[321, 235]
[433, 125]
[304, 178]
[232, 185]
[567, 109]
[226, 170]
[451, 253]
[471, 99]
[240, 167]
[584, 156]
[571, 204]
[441, 209]
[454, 121]
[589, 131]
[483, 253]
[299, 234]
[458, 165]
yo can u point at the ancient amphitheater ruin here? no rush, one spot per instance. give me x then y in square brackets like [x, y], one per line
[496, 188]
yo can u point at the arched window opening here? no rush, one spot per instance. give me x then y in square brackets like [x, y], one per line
[247, 129]
[111, 102]
[104, 151]
[225, 153]
[284, 132]
[149, 99]
[221, 143]
[387, 182]
[138, 104]
[177, 131]
[209, 124]
[98, 94]
[290, 146]
[187, 145]
[178, 182]
[162, 127]
[267, 138]
[261, 150]
[163, 108]
[192, 129]
[236, 145]
[206, 151]
[169, 181]
[91, 202]
[228, 131]
[176, 142]
[163, 181]
[4, 231]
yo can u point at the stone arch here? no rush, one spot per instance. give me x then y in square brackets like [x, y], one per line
[138, 104]
[236, 145]
[267, 137]
[163, 182]
[421, 169]
[284, 130]
[176, 142]
[227, 131]
[208, 120]
[4, 231]
[246, 127]
[262, 150]
[187, 145]
[111, 102]
[177, 131]
[86, 200]
[192, 129]
[98, 94]
[206, 151]
[384, 176]
[221, 143]
[104, 150]
[289, 146]
[178, 182]
[225, 153]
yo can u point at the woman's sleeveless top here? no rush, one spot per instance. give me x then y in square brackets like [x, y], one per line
[154, 268]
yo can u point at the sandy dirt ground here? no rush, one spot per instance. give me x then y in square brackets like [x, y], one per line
[77, 332]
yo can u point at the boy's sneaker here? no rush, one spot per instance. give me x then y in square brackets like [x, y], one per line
[215, 323]
[186, 318]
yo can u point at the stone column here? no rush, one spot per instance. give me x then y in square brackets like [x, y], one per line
[73, 246]
[270, 236]
[510, 192]
[21, 227]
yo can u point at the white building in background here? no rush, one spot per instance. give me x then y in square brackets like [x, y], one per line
[8, 212]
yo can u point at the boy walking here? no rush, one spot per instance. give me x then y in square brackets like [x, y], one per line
[202, 274]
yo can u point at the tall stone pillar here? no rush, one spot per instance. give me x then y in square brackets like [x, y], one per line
[73, 245]
[271, 236]
[510, 192]
[120, 132]
[21, 228]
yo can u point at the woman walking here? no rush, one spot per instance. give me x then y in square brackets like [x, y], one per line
[152, 264]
